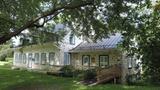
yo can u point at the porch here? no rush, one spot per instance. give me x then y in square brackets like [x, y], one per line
[97, 58]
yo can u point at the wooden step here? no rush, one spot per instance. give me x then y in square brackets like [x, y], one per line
[108, 74]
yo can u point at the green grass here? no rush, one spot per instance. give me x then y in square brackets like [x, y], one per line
[25, 80]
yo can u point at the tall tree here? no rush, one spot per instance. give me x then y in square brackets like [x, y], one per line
[137, 20]
[141, 37]
[18, 15]
[102, 16]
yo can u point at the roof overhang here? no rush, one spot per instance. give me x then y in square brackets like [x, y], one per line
[92, 50]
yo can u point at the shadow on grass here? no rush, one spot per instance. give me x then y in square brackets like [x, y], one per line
[42, 85]
[24, 80]
[74, 85]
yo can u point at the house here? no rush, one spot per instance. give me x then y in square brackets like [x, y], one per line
[104, 54]
[46, 56]
[80, 54]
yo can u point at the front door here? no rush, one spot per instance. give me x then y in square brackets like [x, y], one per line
[30, 60]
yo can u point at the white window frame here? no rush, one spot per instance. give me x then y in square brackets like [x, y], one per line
[51, 59]
[103, 60]
[24, 58]
[43, 60]
[20, 58]
[37, 58]
[16, 58]
[86, 62]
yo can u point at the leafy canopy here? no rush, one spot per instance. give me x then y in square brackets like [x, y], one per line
[83, 16]
[137, 20]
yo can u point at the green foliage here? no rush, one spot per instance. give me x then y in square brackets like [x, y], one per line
[5, 51]
[3, 58]
[67, 71]
[14, 13]
[42, 35]
[151, 62]
[101, 16]
[131, 79]
[141, 39]
[18, 80]
[89, 74]
[137, 20]
[70, 71]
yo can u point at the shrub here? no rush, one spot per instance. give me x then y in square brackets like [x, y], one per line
[3, 58]
[131, 79]
[89, 74]
[67, 71]
[79, 74]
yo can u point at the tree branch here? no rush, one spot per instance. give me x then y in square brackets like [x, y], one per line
[31, 23]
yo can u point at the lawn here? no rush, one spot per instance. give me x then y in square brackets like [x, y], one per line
[25, 80]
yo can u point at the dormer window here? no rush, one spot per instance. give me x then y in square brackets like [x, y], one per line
[72, 39]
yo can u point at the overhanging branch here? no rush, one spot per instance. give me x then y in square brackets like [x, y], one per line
[31, 23]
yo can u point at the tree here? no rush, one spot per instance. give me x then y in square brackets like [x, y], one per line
[137, 20]
[141, 37]
[17, 15]
[42, 35]
[83, 16]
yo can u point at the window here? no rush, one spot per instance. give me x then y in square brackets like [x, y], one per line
[20, 58]
[72, 39]
[24, 58]
[43, 58]
[36, 56]
[85, 60]
[16, 58]
[66, 58]
[51, 58]
[103, 60]
[29, 56]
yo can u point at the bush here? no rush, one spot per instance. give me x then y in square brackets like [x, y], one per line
[131, 79]
[3, 58]
[89, 74]
[79, 74]
[67, 71]
[70, 71]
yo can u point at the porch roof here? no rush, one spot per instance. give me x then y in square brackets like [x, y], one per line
[104, 44]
